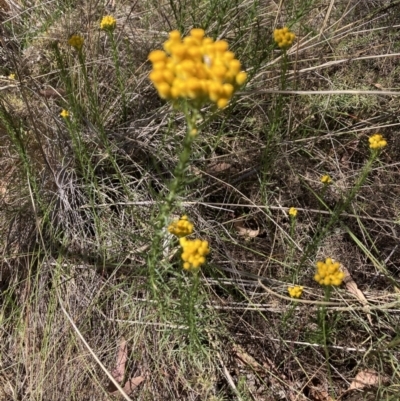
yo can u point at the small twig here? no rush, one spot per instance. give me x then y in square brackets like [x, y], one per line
[329, 92]
[229, 377]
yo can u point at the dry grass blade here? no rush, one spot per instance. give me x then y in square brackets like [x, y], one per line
[116, 384]
[229, 378]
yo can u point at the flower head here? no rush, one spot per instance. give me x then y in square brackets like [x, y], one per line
[11, 77]
[296, 291]
[76, 42]
[293, 212]
[328, 273]
[181, 227]
[196, 68]
[283, 37]
[194, 253]
[377, 141]
[108, 23]
[64, 113]
[325, 179]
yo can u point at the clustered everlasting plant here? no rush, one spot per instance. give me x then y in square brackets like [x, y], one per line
[196, 68]
[296, 291]
[194, 253]
[108, 23]
[191, 72]
[181, 227]
[377, 142]
[283, 37]
[76, 41]
[325, 179]
[328, 273]
[64, 113]
[293, 212]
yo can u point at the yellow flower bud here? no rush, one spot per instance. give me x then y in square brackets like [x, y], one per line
[76, 42]
[157, 55]
[164, 90]
[64, 113]
[228, 90]
[156, 77]
[108, 23]
[221, 46]
[168, 76]
[222, 103]
[197, 33]
[235, 66]
[159, 65]
[228, 56]
[175, 35]
[218, 72]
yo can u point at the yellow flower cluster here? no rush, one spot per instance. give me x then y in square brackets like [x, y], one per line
[377, 141]
[325, 179]
[181, 227]
[194, 253]
[328, 273]
[283, 37]
[108, 23]
[293, 212]
[64, 113]
[196, 68]
[76, 42]
[296, 291]
[11, 77]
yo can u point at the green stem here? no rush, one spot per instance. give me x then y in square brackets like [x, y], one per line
[341, 207]
[291, 246]
[168, 205]
[118, 74]
[194, 290]
[75, 107]
[276, 124]
[94, 106]
[97, 116]
[328, 290]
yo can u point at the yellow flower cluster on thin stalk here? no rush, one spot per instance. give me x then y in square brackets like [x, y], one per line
[293, 212]
[181, 227]
[283, 37]
[194, 253]
[76, 41]
[108, 23]
[377, 141]
[296, 291]
[11, 77]
[197, 68]
[325, 179]
[64, 113]
[328, 273]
